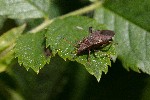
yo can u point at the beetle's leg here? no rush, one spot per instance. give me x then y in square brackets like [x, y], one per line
[68, 42]
[88, 56]
[90, 29]
[47, 51]
[94, 53]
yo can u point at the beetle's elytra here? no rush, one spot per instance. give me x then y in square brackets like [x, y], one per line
[95, 41]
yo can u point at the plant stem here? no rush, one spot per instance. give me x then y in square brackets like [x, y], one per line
[82, 10]
[77, 12]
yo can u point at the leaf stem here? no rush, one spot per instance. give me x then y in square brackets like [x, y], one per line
[76, 12]
[82, 10]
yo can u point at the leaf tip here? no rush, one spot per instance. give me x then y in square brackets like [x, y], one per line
[37, 71]
[98, 78]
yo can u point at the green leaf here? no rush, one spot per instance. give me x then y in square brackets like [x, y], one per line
[137, 11]
[2, 20]
[2, 67]
[8, 38]
[30, 51]
[62, 36]
[52, 76]
[7, 42]
[133, 47]
[24, 8]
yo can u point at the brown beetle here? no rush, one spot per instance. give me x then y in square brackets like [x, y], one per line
[95, 41]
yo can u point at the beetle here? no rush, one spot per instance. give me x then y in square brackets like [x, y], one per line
[95, 41]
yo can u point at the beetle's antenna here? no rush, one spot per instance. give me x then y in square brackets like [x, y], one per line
[90, 29]
[69, 42]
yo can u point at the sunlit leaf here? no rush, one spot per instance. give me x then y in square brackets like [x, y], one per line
[63, 35]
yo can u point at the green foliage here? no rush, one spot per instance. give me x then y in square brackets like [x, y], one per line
[2, 19]
[133, 49]
[128, 19]
[64, 35]
[30, 48]
[134, 11]
[8, 38]
[50, 78]
[23, 9]
[6, 45]
[30, 51]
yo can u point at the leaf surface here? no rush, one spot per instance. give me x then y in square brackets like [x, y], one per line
[133, 47]
[64, 35]
[137, 12]
[24, 8]
[30, 51]
[9, 37]
[7, 42]
[2, 20]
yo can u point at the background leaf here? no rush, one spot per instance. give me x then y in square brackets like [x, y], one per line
[52, 78]
[136, 12]
[22, 9]
[7, 42]
[62, 36]
[8, 38]
[133, 42]
[30, 51]
[2, 19]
